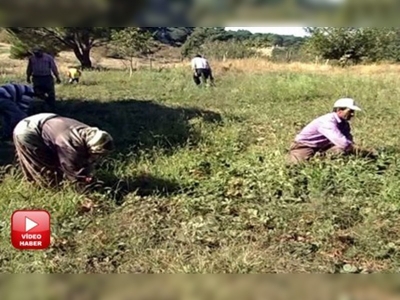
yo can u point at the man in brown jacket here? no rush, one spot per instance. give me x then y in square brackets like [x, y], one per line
[51, 148]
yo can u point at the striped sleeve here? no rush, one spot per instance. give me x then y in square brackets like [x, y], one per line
[25, 96]
[11, 91]
[4, 94]
[25, 103]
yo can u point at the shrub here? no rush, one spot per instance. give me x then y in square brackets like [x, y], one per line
[229, 50]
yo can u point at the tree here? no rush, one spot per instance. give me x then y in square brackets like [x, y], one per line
[336, 42]
[131, 42]
[355, 43]
[202, 35]
[80, 40]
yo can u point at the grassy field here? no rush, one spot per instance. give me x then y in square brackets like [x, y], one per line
[198, 182]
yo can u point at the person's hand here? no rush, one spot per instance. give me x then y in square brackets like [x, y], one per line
[29, 80]
[366, 152]
[351, 149]
[58, 80]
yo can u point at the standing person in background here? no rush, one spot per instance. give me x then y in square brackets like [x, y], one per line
[40, 71]
[202, 70]
[15, 104]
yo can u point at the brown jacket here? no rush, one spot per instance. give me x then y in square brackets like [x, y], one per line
[71, 154]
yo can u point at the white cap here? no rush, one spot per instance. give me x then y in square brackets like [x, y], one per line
[346, 103]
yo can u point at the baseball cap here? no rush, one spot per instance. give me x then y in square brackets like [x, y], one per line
[346, 103]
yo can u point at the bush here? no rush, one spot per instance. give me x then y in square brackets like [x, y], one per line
[229, 50]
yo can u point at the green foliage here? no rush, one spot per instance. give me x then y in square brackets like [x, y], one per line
[203, 35]
[132, 41]
[22, 42]
[78, 39]
[229, 50]
[195, 41]
[20, 50]
[370, 44]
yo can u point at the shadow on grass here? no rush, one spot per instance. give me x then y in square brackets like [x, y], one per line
[142, 185]
[139, 125]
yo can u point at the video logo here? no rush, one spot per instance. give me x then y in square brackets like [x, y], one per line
[30, 230]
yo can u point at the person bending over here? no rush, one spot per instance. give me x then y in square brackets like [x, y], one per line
[51, 148]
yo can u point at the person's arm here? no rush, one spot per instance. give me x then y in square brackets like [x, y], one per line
[347, 132]
[332, 133]
[74, 163]
[208, 65]
[29, 71]
[193, 65]
[54, 69]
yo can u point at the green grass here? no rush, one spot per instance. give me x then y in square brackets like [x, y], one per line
[205, 185]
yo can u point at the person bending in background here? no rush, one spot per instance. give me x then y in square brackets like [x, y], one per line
[201, 70]
[15, 104]
[40, 71]
[74, 75]
[330, 133]
[51, 148]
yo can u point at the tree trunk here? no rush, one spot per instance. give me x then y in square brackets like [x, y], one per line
[84, 57]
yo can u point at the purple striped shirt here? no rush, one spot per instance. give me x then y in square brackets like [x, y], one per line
[42, 66]
[325, 131]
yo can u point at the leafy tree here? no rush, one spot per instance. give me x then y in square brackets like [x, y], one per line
[373, 44]
[23, 41]
[202, 35]
[131, 42]
[80, 40]
[335, 42]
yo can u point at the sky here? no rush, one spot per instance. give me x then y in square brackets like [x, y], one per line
[297, 31]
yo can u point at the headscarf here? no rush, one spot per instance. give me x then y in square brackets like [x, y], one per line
[98, 141]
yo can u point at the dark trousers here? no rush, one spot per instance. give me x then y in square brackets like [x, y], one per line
[72, 80]
[45, 89]
[202, 75]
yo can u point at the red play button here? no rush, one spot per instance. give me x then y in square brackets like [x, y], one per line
[30, 230]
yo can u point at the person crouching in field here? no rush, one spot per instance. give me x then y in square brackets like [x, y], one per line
[15, 104]
[201, 70]
[330, 133]
[74, 75]
[51, 148]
